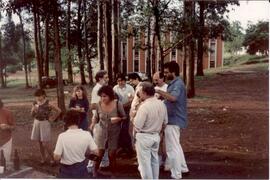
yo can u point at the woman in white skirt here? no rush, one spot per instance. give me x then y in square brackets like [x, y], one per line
[42, 113]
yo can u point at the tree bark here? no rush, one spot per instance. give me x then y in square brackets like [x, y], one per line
[58, 62]
[88, 60]
[184, 65]
[47, 39]
[37, 54]
[189, 12]
[79, 45]
[148, 61]
[100, 34]
[40, 44]
[69, 63]
[24, 58]
[115, 38]
[1, 64]
[108, 40]
[200, 41]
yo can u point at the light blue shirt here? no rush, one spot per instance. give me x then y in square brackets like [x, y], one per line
[177, 111]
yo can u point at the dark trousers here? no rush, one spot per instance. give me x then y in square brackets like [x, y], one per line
[124, 137]
[77, 170]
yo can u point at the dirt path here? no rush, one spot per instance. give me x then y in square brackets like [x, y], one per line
[227, 136]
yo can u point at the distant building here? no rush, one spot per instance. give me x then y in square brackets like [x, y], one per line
[133, 58]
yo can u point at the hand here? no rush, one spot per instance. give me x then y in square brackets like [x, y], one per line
[91, 127]
[34, 108]
[4, 126]
[115, 120]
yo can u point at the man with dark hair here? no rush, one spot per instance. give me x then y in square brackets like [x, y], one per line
[150, 117]
[71, 147]
[176, 103]
[125, 93]
[101, 79]
[7, 125]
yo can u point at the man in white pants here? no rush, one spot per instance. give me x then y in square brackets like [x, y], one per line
[7, 124]
[176, 103]
[150, 117]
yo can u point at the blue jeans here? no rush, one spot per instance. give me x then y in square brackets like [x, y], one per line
[147, 154]
[77, 170]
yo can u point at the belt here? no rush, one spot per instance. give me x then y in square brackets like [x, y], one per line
[148, 132]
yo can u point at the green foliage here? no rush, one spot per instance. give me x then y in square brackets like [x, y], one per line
[257, 38]
[235, 38]
[244, 59]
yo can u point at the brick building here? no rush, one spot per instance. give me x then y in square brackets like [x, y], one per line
[133, 59]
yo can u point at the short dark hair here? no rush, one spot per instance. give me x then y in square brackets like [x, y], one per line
[134, 76]
[173, 67]
[121, 76]
[108, 90]
[1, 104]
[148, 88]
[100, 74]
[72, 117]
[39, 92]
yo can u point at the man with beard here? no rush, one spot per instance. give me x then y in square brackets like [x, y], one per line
[176, 103]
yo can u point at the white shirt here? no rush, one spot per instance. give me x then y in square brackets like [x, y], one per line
[94, 96]
[123, 93]
[136, 99]
[72, 144]
[150, 116]
[163, 88]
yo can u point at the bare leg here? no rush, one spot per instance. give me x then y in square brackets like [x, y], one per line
[47, 147]
[42, 152]
[112, 158]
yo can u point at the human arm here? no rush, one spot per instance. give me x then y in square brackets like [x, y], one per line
[94, 121]
[140, 118]
[58, 149]
[57, 112]
[166, 95]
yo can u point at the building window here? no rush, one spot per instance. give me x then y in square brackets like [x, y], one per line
[136, 50]
[212, 53]
[173, 55]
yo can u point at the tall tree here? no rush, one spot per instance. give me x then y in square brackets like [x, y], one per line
[79, 42]
[189, 7]
[115, 38]
[68, 45]
[100, 33]
[24, 51]
[58, 62]
[108, 39]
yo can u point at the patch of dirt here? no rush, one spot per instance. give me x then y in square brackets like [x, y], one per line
[227, 136]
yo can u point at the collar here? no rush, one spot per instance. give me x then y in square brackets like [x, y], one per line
[173, 81]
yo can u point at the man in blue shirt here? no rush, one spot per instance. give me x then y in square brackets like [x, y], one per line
[176, 103]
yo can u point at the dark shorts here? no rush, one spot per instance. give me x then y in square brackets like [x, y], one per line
[74, 171]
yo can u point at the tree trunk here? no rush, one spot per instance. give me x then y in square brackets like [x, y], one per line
[148, 61]
[115, 38]
[88, 60]
[58, 62]
[184, 65]
[1, 64]
[79, 46]
[46, 59]
[100, 34]
[37, 54]
[108, 40]
[69, 63]
[189, 10]
[24, 58]
[154, 51]
[200, 41]
[40, 44]
[158, 33]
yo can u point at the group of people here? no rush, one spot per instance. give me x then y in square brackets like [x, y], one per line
[140, 116]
